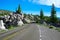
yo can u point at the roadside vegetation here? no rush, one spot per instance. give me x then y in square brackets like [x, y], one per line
[4, 12]
[58, 29]
[52, 21]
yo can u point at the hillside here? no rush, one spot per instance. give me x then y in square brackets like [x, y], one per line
[4, 12]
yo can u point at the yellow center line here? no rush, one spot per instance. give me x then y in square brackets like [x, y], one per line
[6, 38]
[12, 35]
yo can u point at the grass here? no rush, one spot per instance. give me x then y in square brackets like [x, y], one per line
[58, 29]
[2, 31]
[55, 28]
[10, 28]
[50, 27]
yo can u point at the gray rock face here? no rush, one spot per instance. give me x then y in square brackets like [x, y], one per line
[27, 20]
[44, 23]
[12, 19]
[2, 27]
[20, 23]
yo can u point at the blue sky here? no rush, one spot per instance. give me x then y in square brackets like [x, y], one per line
[31, 6]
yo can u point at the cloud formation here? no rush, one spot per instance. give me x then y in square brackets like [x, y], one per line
[47, 2]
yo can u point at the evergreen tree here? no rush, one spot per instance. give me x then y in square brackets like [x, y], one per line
[53, 17]
[41, 14]
[18, 9]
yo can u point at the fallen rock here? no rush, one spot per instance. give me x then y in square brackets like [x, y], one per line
[2, 27]
[20, 23]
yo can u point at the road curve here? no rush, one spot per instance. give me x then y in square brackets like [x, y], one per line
[34, 32]
[30, 32]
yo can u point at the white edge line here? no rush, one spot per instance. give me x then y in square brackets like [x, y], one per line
[39, 32]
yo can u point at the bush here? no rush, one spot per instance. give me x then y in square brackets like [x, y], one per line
[51, 27]
[10, 27]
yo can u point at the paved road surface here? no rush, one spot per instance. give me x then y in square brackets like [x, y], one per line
[34, 32]
[48, 34]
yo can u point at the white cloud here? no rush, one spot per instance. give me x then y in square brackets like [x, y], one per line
[48, 2]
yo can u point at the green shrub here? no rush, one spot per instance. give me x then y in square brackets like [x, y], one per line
[51, 27]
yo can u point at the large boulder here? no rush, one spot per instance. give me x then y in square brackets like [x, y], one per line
[2, 27]
[27, 20]
[20, 23]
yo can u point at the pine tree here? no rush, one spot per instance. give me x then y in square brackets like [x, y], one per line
[53, 17]
[18, 9]
[41, 14]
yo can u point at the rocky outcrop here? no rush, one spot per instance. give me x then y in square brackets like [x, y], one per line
[12, 19]
[2, 27]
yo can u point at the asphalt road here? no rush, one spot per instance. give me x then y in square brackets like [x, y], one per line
[33, 32]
